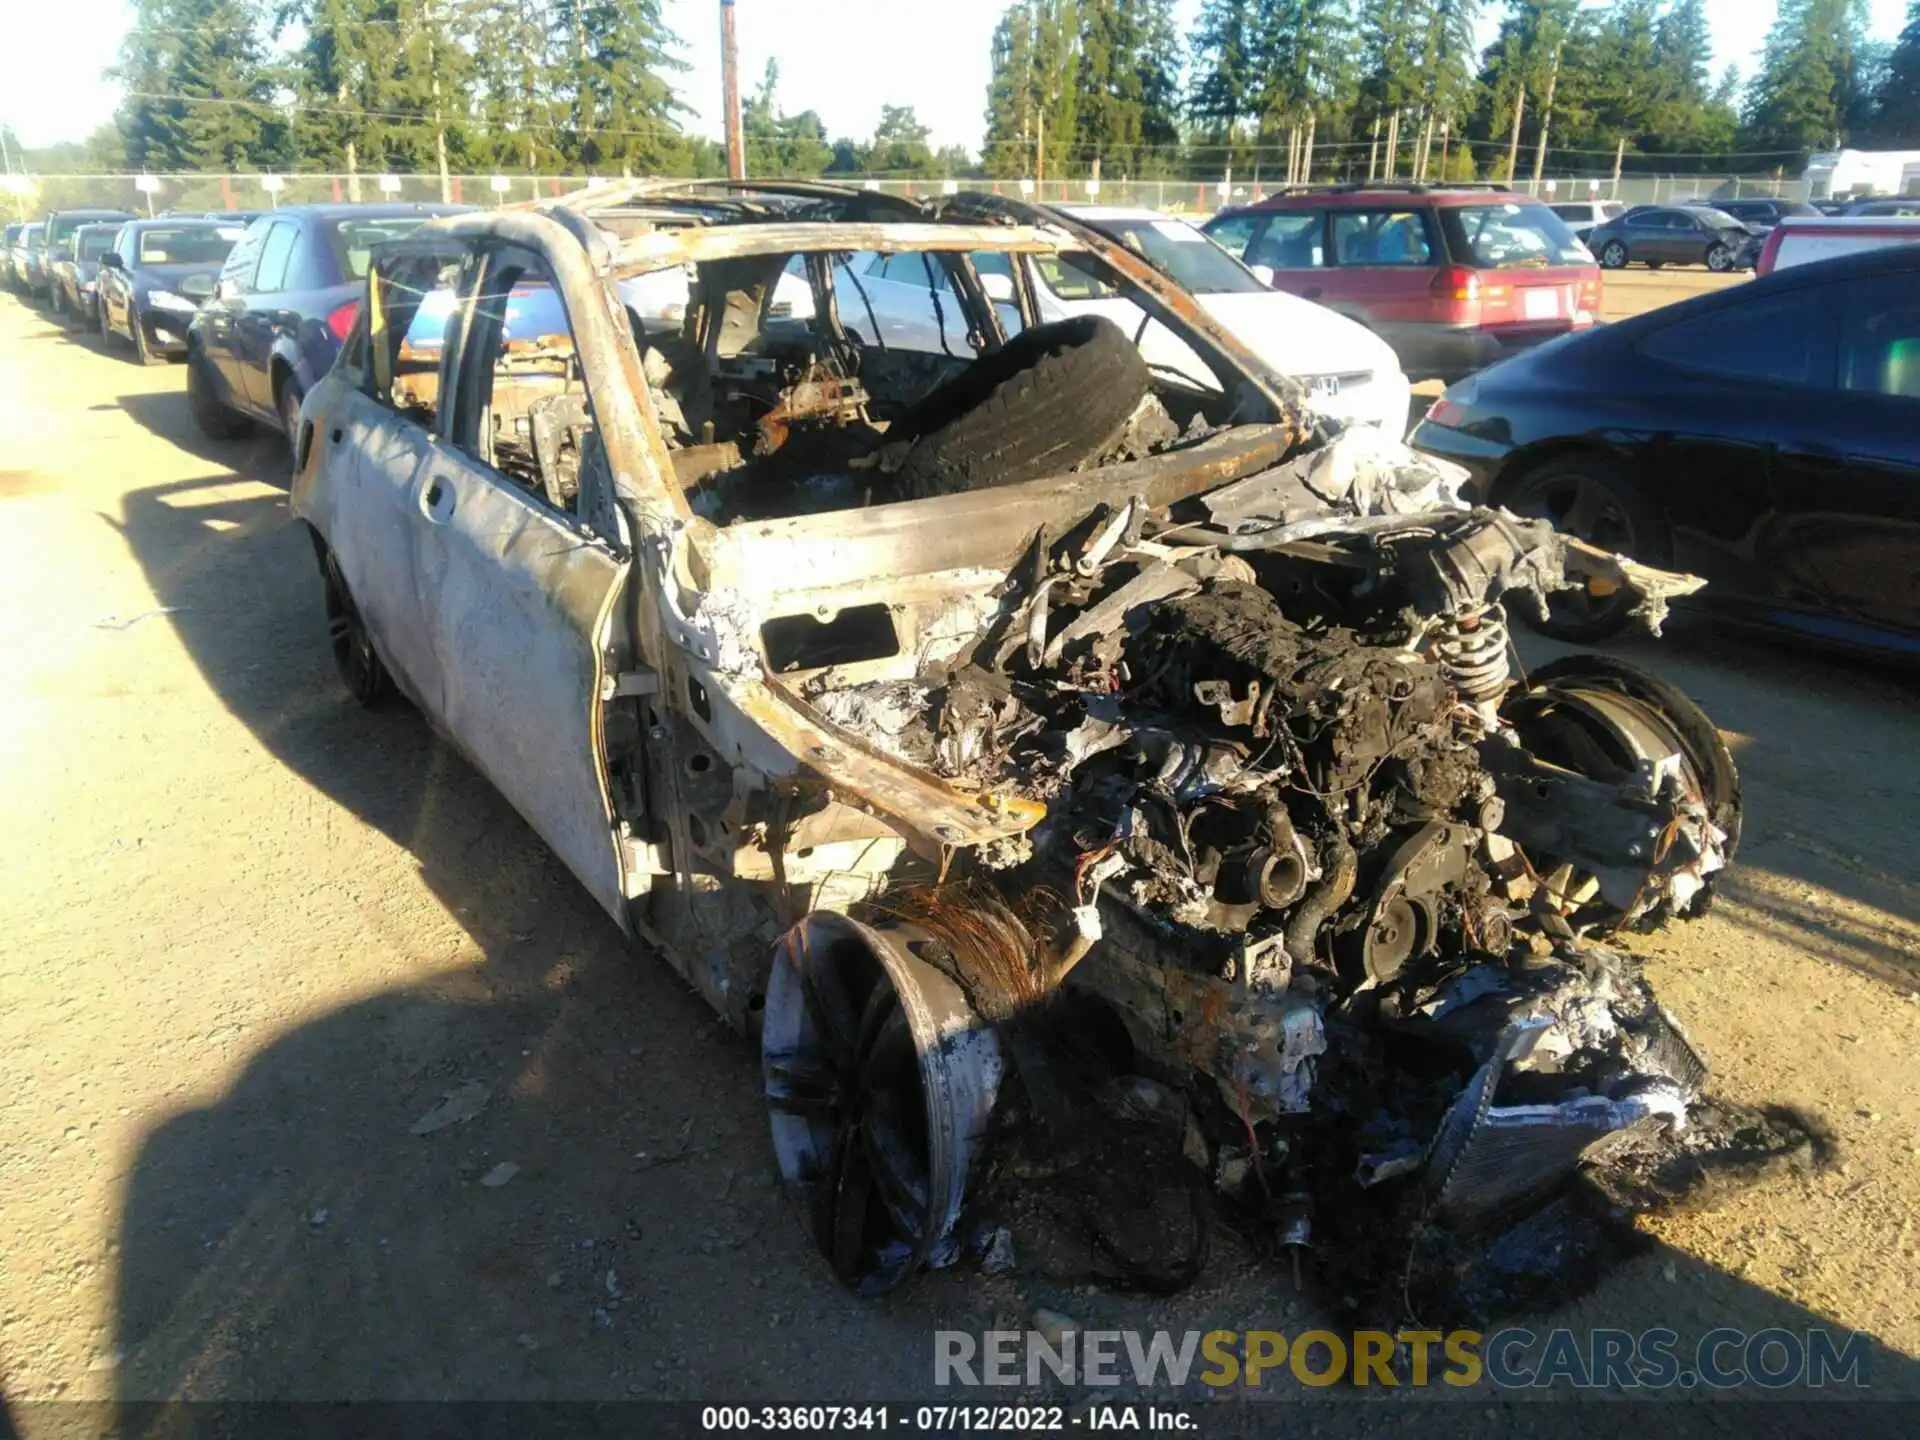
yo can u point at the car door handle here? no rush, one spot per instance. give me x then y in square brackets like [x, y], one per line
[1312, 292]
[437, 502]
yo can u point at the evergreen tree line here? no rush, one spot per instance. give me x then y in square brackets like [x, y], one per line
[1271, 89]
[1331, 89]
[465, 86]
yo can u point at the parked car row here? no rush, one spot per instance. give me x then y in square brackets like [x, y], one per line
[256, 302]
[259, 313]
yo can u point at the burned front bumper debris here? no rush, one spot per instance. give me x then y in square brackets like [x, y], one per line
[1311, 853]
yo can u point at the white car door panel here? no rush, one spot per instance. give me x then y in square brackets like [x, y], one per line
[518, 600]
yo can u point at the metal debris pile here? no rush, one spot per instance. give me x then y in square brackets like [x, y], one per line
[1340, 872]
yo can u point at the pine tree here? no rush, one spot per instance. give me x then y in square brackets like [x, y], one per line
[1303, 56]
[1033, 91]
[1391, 39]
[900, 144]
[342, 75]
[1896, 119]
[778, 143]
[199, 91]
[618, 110]
[1012, 97]
[1159, 63]
[1225, 79]
[1807, 82]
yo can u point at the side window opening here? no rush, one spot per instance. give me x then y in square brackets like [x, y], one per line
[524, 409]
[1381, 237]
[1291, 242]
[1774, 339]
[412, 307]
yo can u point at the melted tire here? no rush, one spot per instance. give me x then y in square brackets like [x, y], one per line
[1051, 398]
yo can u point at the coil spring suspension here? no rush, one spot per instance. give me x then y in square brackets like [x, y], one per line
[1472, 651]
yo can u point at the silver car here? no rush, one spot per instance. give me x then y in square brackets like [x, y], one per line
[925, 710]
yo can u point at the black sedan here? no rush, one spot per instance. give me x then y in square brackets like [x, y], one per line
[1766, 437]
[285, 303]
[155, 277]
[1659, 235]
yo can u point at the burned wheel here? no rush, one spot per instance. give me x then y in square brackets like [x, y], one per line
[880, 1081]
[361, 669]
[1609, 720]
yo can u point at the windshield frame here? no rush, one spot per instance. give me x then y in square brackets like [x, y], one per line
[1122, 232]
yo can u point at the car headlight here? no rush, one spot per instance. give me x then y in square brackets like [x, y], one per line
[167, 300]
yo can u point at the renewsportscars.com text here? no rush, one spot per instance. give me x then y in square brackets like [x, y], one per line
[1513, 1359]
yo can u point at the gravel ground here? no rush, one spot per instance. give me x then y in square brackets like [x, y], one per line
[253, 934]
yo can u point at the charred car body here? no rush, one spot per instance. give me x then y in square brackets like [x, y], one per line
[990, 727]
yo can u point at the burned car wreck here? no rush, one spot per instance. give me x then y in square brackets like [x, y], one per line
[1105, 796]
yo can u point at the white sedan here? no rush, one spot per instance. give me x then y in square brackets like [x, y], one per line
[1350, 373]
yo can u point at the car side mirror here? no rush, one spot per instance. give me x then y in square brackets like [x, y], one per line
[196, 287]
[999, 288]
[1263, 273]
[112, 261]
[225, 290]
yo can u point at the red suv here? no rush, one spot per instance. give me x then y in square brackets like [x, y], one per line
[1453, 278]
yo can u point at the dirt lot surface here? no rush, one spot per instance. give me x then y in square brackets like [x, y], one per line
[253, 934]
[1633, 291]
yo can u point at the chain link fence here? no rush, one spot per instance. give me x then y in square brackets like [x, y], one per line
[28, 197]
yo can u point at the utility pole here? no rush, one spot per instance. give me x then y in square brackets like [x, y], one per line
[1546, 122]
[730, 82]
[1040, 149]
[1373, 152]
[1393, 145]
[1306, 158]
[1426, 148]
[1619, 159]
[1446, 130]
[1513, 142]
[439, 124]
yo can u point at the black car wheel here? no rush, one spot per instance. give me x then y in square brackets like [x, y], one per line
[1587, 497]
[141, 350]
[56, 303]
[361, 669]
[216, 422]
[1719, 259]
[1613, 255]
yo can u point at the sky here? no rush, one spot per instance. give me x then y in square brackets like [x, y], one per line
[843, 58]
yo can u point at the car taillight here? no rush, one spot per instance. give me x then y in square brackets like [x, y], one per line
[1446, 412]
[1458, 284]
[340, 322]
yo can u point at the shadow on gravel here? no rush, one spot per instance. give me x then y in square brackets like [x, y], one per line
[298, 1239]
[258, 455]
[545, 1175]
